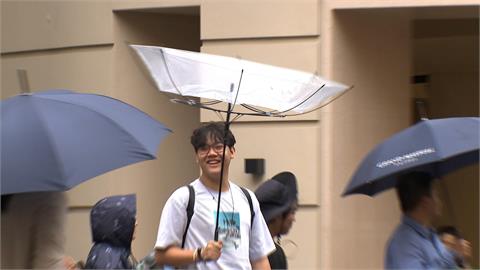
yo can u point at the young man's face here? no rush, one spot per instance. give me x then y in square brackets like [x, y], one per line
[209, 157]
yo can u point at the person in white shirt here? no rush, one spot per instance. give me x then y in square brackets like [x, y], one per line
[244, 240]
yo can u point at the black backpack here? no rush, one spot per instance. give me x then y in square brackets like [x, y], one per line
[191, 204]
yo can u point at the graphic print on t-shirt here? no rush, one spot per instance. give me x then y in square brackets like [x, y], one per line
[229, 229]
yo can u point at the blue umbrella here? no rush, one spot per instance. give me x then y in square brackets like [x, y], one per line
[55, 140]
[435, 146]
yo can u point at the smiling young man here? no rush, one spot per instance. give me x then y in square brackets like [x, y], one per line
[244, 239]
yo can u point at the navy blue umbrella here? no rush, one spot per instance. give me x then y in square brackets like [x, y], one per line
[435, 146]
[54, 140]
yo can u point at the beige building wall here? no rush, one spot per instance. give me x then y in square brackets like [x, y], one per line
[371, 49]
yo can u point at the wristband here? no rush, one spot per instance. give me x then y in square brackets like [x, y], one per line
[199, 254]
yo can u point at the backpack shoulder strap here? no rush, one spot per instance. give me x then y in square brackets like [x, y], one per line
[190, 205]
[249, 198]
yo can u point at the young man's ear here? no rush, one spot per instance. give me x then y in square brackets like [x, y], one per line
[232, 152]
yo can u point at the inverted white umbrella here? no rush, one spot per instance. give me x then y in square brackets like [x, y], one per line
[217, 78]
[203, 80]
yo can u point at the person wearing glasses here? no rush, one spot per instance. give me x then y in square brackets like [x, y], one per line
[278, 202]
[244, 241]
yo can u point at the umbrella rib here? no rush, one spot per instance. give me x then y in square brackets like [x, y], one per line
[258, 112]
[305, 100]
[323, 105]
[238, 90]
[47, 133]
[199, 105]
[219, 115]
[434, 138]
[251, 108]
[237, 117]
[213, 102]
[280, 114]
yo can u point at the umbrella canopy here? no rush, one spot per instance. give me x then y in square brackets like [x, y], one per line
[54, 140]
[214, 77]
[434, 146]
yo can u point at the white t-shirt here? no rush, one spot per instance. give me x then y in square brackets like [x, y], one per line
[240, 244]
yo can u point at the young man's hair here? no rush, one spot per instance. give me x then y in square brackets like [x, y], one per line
[213, 130]
[411, 187]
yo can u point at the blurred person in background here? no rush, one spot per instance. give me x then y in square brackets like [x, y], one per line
[415, 244]
[113, 221]
[33, 230]
[278, 198]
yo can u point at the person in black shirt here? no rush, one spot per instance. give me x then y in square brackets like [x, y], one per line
[278, 198]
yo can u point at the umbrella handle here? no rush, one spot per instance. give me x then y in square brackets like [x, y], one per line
[227, 127]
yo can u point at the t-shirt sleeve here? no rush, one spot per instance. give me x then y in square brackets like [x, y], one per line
[261, 243]
[173, 220]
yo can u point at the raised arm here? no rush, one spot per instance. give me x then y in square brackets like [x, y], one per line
[176, 256]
